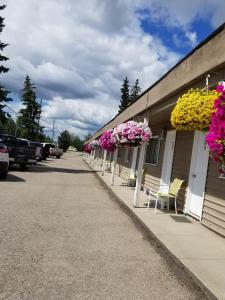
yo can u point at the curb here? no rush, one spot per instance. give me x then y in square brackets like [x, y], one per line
[166, 254]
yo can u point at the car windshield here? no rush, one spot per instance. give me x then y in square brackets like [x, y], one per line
[23, 142]
[2, 146]
[35, 144]
[9, 139]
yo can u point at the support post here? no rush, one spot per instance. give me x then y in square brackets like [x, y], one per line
[115, 155]
[139, 172]
[103, 164]
[93, 157]
[133, 164]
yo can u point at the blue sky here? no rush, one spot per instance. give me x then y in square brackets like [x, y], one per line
[78, 52]
[174, 37]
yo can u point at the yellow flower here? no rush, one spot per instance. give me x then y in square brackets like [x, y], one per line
[193, 110]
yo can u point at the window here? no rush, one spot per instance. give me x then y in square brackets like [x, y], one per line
[128, 154]
[152, 152]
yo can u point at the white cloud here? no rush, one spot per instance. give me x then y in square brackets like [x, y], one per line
[192, 37]
[77, 53]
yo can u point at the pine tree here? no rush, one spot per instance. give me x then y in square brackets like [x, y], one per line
[3, 92]
[29, 119]
[125, 98]
[64, 140]
[135, 91]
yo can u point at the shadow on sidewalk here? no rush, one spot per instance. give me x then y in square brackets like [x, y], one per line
[47, 169]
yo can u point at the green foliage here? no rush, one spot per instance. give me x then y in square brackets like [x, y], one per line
[8, 126]
[76, 142]
[125, 97]
[135, 91]
[64, 140]
[3, 92]
[30, 114]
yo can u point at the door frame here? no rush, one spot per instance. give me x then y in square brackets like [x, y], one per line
[165, 169]
[192, 171]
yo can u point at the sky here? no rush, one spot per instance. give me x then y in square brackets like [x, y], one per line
[78, 52]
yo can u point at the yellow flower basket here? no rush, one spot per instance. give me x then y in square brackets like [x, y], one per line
[193, 110]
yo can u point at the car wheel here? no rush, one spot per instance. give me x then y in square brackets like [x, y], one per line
[3, 175]
[58, 156]
[24, 167]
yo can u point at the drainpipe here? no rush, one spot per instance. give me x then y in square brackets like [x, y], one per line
[139, 172]
[115, 155]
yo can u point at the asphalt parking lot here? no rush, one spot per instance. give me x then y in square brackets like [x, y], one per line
[62, 237]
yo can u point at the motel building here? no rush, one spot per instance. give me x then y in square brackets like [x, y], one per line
[172, 153]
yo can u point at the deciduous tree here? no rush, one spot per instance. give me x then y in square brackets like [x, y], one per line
[64, 140]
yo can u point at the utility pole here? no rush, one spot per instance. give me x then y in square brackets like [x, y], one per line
[53, 130]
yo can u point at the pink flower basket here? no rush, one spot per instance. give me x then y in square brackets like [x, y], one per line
[215, 137]
[106, 141]
[131, 134]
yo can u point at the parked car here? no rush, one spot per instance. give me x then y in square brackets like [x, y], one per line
[38, 147]
[56, 151]
[4, 160]
[46, 150]
[20, 153]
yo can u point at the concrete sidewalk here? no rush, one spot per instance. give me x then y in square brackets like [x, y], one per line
[199, 250]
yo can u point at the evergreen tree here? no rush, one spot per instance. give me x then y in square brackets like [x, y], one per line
[64, 140]
[87, 137]
[30, 114]
[3, 92]
[76, 142]
[8, 126]
[125, 98]
[135, 91]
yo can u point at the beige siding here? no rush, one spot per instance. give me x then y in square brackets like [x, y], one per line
[122, 166]
[182, 161]
[213, 215]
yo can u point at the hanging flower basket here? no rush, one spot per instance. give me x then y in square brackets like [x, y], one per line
[94, 144]
[215, 137]
[193, 110]
[87, 148]
[131, 134]
[106, 141]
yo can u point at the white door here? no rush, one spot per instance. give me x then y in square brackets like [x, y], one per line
[197, 176]
[167, 161]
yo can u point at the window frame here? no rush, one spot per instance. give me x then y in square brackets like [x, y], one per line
[127, 155]
[156, 137]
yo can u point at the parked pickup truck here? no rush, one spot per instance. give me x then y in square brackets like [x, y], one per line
[19, 152]
[56, 151]
[4, 160]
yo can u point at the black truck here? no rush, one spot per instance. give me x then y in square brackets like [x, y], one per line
[19, 153]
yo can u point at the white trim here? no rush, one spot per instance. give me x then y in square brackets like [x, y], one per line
[167, 160]
[199, 159]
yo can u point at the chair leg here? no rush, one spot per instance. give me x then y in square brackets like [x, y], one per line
[175, 204]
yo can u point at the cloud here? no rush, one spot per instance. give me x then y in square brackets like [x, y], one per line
[192, 37]
[78, 52]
